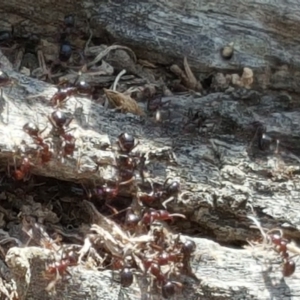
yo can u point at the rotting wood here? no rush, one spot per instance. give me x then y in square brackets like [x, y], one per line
[264, 34]
[227, 175]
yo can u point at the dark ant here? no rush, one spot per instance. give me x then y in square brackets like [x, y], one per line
[170, 288]
[61, 95]
[6, 36]
[155, 105]
[126, 142]
[264, 142]
[126, 277]
[127, 165]
[69, 21]
[196, 121]
[35, 133]
[169, 190]
[65, 51]
[158, 215]
[188, 247]
[132, 219]
[60, 122]
[80, 88]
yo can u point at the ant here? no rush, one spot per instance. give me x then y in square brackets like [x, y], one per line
[6, 36]
[80, 88]
[65, 51]
[23, 172]
[264, 142]
[127, 164]
[155, 105]
[169, 190]
[126, 142]
[170, 288]
[59, 268]
[60, 122]
[126, 277]
[280, 243]
[35, 133]
[158, 215]
[105, 192]
[68, 145]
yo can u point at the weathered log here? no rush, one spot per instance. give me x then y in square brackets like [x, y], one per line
[264, 34]
[213, 167]
[223, 174]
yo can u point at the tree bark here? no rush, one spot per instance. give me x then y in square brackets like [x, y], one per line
[224, 175]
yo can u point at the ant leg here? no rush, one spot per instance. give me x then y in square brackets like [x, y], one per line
[164, 204]
[43, 67]
[87, 191]
[115, 212]
[128, 181]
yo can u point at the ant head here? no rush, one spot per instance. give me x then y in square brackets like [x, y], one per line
[31, 129]
[168, 289]
[188, 247]
[172, 187]
[84, 88]
[126, 142]
[59, 119]
[126, 277]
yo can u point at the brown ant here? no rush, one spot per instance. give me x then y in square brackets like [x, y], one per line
[35, 133]
[68, 144]
[23, 172]
[280, 243]
[80, 88]
[59, 269]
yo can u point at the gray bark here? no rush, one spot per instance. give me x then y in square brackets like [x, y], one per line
[223, 174]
